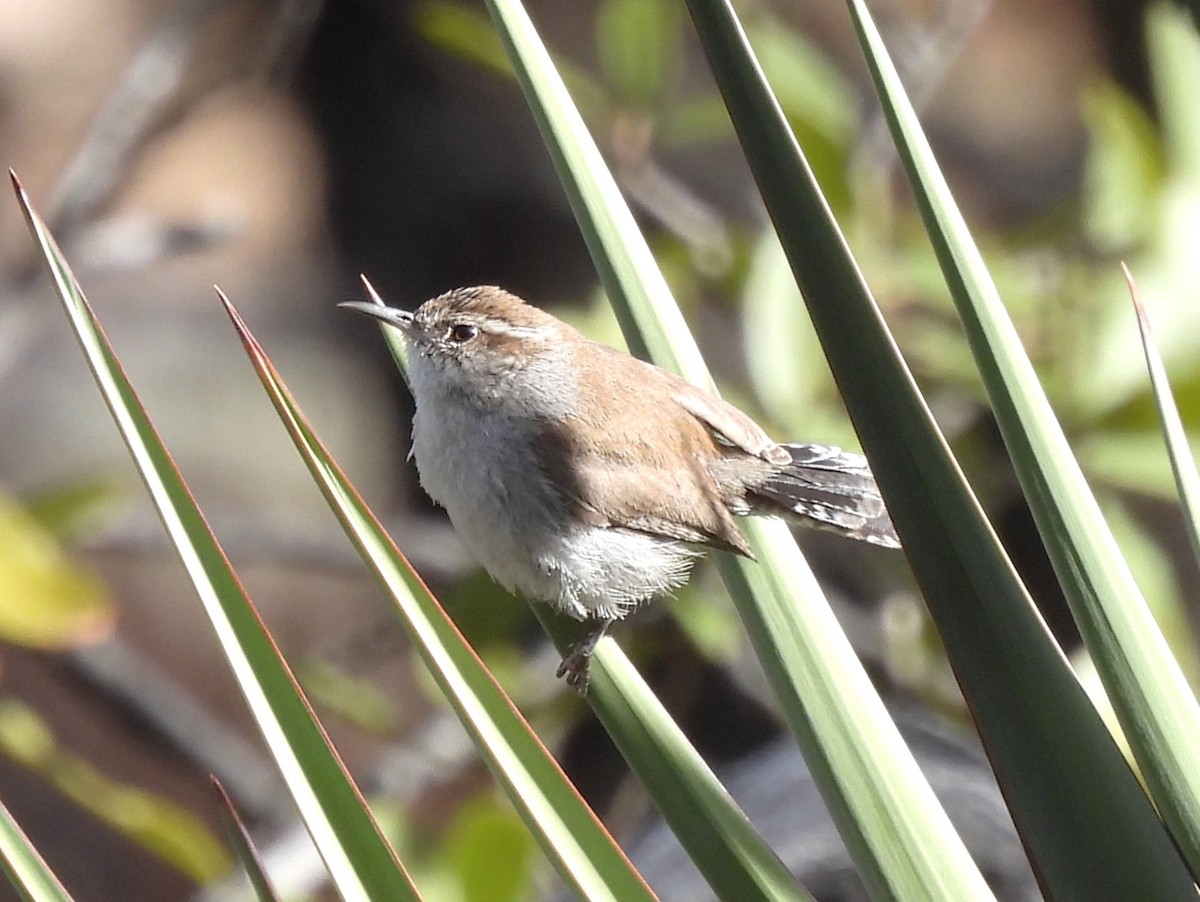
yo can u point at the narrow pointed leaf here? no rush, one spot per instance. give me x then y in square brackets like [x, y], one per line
[1183, 465]
[649, 317]
[1049, 749]
[1149, 692]
[23, 864]
[239, 836]
[711, 827]
[359, 860]
[567, 829]
[870, 780]
[709, 824]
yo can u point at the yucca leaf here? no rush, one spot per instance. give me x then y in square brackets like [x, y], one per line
[896, 829]
[708, 823]
[1149, 692]
[359, 859]
[23, 864]
[572, 837]
[1183, 465]
[1048, 747]
[239, 837]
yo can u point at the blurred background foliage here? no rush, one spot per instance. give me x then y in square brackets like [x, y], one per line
[279, 148]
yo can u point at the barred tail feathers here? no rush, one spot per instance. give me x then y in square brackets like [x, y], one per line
[830, 489]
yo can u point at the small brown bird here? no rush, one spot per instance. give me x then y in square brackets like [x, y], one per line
[592, 480]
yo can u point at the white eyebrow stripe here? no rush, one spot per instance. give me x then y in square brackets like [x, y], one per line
[503, 327]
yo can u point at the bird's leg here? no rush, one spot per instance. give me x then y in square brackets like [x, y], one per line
[575, 665]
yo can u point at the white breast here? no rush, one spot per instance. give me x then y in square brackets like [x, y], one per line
[468, 464]
[481, 468]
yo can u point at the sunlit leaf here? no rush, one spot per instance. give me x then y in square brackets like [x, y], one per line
[894, 826]
[1152, 699]
[46, 600]
[244, 846]
[359, 859]
[1183, 464]
[23, 864]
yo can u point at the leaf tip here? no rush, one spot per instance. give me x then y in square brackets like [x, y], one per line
[217, 785]
[229, 308]
[239, 324]
[1138, 307]
[22, 196]
[371, 292]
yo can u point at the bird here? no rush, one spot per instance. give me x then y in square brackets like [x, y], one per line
[581, 476]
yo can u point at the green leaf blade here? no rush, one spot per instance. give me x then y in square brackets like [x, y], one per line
[573, 838]
[709, 824]
[1183, 465]
[1010, 670]
[27, 871]
[359, 860]
[648, 314]
[239, 837]
[795, 648]
[1150, 694]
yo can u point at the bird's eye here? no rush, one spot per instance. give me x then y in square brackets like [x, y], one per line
[462, 332]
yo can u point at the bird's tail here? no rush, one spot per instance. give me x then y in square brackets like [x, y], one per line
[830, 489]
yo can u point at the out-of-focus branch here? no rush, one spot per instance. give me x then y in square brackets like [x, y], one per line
[136, 107]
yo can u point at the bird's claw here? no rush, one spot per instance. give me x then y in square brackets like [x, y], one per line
[575, 667]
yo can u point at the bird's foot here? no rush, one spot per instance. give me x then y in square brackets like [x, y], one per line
[575, 668]
[576, 664]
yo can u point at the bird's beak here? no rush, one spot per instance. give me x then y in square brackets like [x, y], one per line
[401, 319]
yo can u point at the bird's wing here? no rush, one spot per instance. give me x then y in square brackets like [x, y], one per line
[621, 478]
[728, 424]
